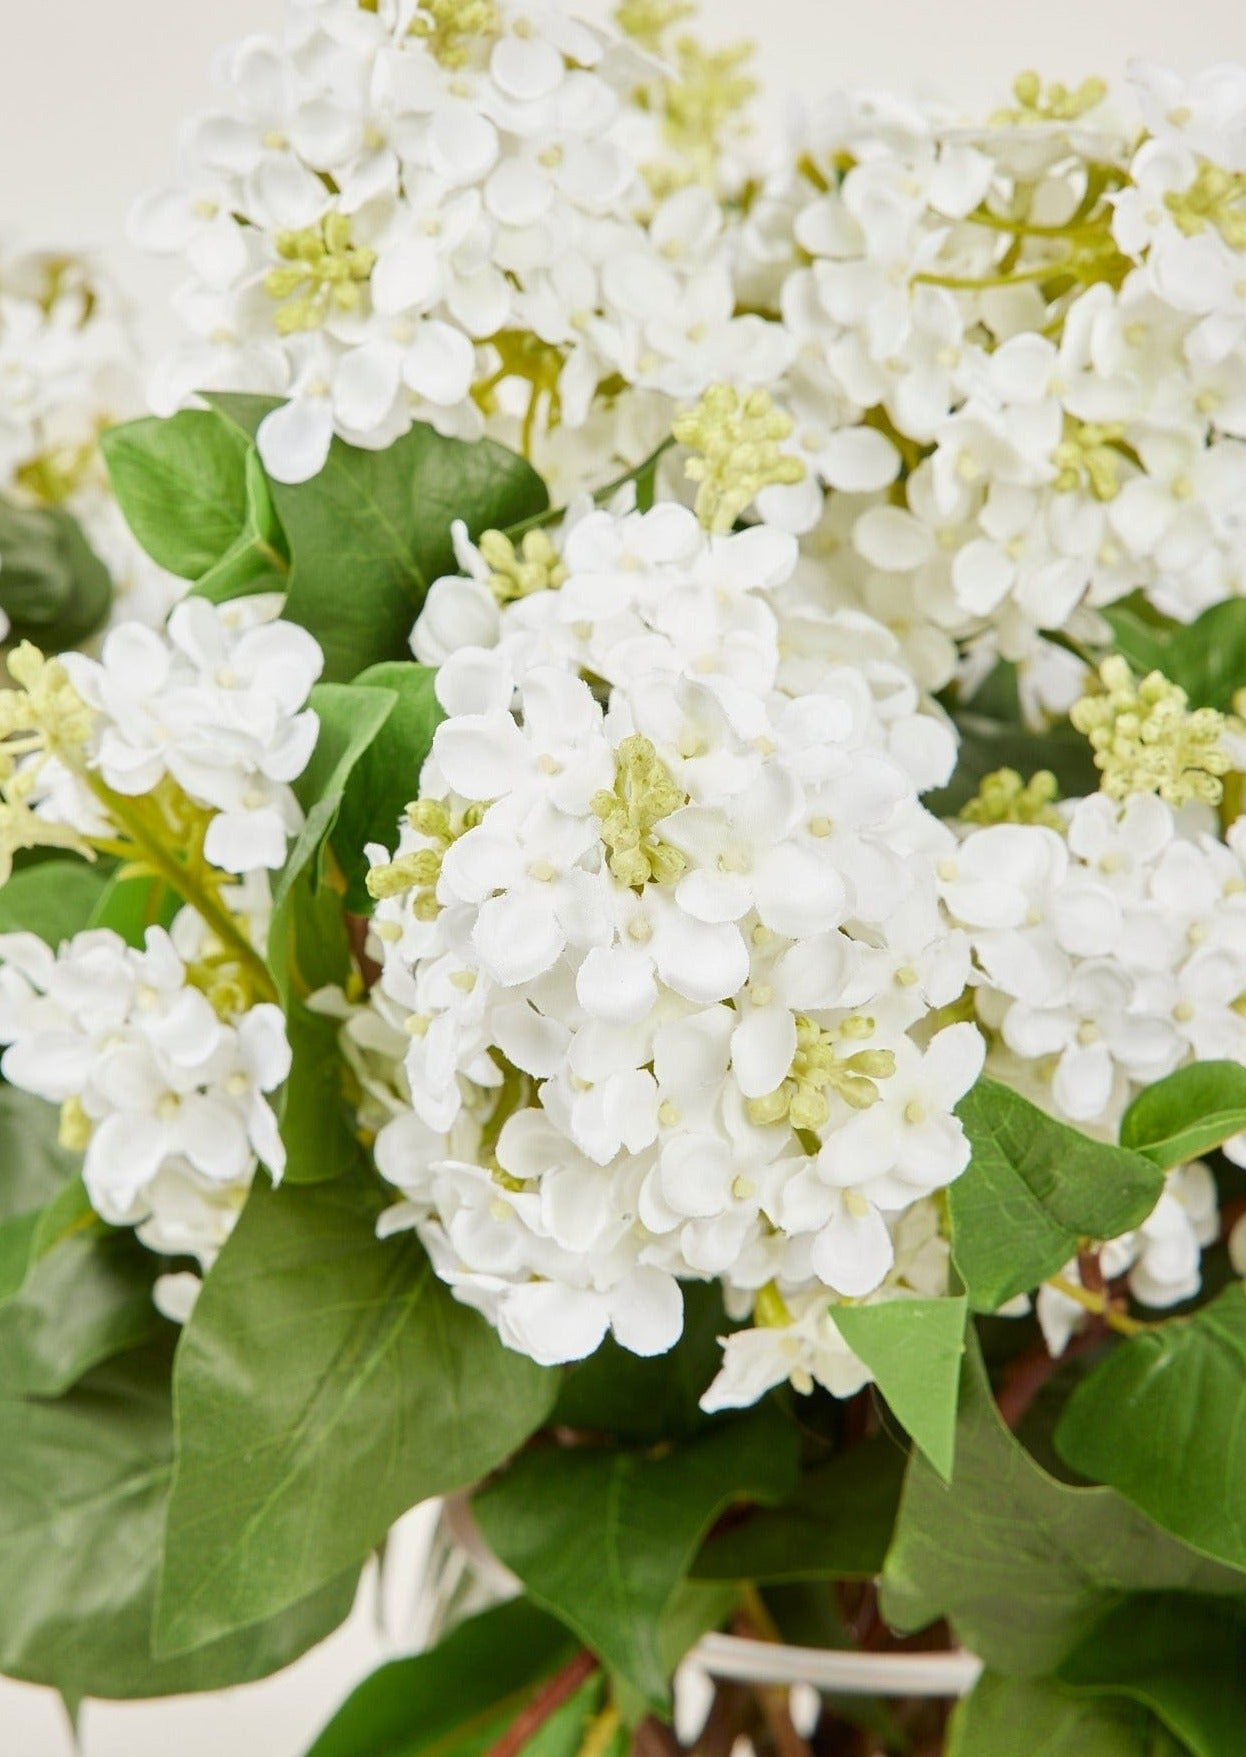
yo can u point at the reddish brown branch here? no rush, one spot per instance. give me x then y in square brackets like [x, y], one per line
[544, 1705]
[1026, 1376]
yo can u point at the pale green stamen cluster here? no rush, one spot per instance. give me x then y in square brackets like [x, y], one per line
[738, 439]
[535, 566]
[1004, 798]
[701, 108]
[1053, 103]
[43, 718]
[1215, 198]
[449, 27]
[1146, 739]
[644, 793]
[1090, 455]
[420, 870]
[647, 21]
[818, 1069]
[326, 272]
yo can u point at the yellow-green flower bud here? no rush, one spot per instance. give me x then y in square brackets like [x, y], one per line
[1146, 739]
[644, 793]
[1004, 798]
[736, 443]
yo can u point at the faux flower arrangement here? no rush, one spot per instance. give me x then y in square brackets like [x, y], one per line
[656, 943]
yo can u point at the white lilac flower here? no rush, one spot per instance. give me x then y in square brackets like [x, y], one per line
[401, 213]
[167, 1100]
[660, 928]
[69, 369]
[215, 703]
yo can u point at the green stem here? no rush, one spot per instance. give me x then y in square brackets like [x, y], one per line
[1043, 271]
[1099, 1306]
[187, 885]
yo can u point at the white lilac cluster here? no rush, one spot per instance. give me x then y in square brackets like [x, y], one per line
[215, 704]
[1024, 344]
[167, 1100]
[68, 370]
[665, 929]
[432, 211]
[1105, 958]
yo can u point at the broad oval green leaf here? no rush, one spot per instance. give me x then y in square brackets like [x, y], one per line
[1034, 1189]
[1193, 1111]
[1163, 1421]
[387, 777]
[837, 1526]
[1183, 1658]
[326, 1382]
[371, 533]
[182, 485]
[54, 589]
[1023, 1565]
[914, 1348]
[457, 1698]
[604, 1538]
[1018, 1717]
[54, 899]
[83, 1483]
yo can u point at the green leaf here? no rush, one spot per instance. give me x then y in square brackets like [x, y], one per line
[637, 1400]
[387, 777]
[181, 484]
[350, 719]
[1034, 1190]
[1014, 1717]
[1163, 1421]
[73, 1292]
[1183, 1658]
[1022, 1565]
[54, 899]
[604, 1538]
[326, 1382]
[1191, 1112]
[914, 1349]
[54, 588]
[1208, 657]
[459, 1697]
[82, 1489]
[371, 533]
[987, 744]
[129, 906]
[837, 1526]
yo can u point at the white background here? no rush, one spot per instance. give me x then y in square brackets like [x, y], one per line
[94, 91]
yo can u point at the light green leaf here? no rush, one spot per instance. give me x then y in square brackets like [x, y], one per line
[914, 1349]
[54, 899]
[327, 1381]
[1014, 1717]
[459, 1697]
[604, 1538]
[387, 777]
[1191, 1112]
[371, 533]
[1034, 1190]
[181, 484]
[73, 1292]
[1021, 1564]
[54, 588]
[1163, 1421]
[82, 1489]
[1207, 657]
[837, 1526]
[1183, 1658]
[129, 906]
[350, 719]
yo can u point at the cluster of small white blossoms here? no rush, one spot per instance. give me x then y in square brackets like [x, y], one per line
[165, 1098]
[433, 211]
[664, 927]
[1023, 345]
[172, 753]
[214, 705]
[69, 368]
[1109, 943]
